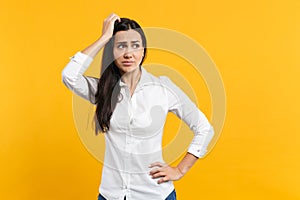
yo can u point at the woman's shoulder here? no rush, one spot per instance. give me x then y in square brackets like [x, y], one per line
[156, 79]
[162, 80]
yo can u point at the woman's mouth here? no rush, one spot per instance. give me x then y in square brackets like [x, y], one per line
[127, 63]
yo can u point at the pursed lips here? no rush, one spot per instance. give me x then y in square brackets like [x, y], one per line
[127, 62]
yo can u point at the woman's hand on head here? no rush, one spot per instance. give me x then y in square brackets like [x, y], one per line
[108, 25]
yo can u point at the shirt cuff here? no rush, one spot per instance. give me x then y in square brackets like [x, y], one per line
[82, 59]
[196, 151]
[198, 146]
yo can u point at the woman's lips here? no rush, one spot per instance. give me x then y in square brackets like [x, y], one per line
[127, 63]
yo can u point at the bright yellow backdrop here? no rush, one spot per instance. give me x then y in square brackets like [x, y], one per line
[255, 45]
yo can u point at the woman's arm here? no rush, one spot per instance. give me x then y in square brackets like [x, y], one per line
[73, 78]
[186, 163]
[72, 74]
[93, 49]
[181, 105]
[107, 31]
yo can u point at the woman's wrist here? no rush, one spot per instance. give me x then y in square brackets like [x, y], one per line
[104, 39]
[186, 163]
[181, 172]
[93, 49]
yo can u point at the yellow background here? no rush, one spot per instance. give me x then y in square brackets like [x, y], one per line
[255, 45]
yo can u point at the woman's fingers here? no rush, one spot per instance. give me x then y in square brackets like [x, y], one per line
[113, 18]
[164, 179]
[153, 171]
[110, 17]
[114, 15]
[157, 164]
[108, 25]
[164, 171]
[158, 174]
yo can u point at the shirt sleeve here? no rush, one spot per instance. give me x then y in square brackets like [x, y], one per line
[181, 105]
[73, 78]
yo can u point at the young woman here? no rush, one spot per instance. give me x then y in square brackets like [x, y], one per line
[132, 105]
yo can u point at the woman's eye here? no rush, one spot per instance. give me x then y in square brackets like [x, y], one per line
[121, 46]
[136, 45]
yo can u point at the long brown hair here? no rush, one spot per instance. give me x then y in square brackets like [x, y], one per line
[108, 90]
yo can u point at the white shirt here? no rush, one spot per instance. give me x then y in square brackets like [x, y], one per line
[134, 139]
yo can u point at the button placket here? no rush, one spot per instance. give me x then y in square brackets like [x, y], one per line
[126, 94]
[130, 118]
[129, 138]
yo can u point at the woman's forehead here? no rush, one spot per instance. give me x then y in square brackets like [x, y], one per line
[127, 36]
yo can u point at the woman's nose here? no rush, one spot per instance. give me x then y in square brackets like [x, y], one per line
[127, 54]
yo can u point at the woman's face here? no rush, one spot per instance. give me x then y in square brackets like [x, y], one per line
[128, 50]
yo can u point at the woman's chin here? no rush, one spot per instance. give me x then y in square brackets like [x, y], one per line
[127, 69]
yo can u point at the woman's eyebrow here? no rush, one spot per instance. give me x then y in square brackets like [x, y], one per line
[136, 41]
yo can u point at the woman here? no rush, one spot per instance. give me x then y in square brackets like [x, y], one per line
[132, 105]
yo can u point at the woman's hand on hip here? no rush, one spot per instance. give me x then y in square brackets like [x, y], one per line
[166, 172]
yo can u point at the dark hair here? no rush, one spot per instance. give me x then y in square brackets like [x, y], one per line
[108, 90]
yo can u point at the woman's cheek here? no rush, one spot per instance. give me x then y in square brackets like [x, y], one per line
[117, 54]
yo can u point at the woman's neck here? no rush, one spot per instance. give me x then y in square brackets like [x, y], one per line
[132, 78]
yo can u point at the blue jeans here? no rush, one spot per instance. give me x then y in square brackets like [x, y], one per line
[172, 196]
